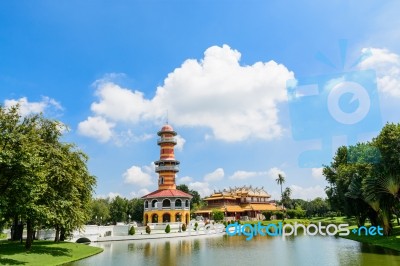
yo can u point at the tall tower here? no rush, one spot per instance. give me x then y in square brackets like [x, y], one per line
[167, 205]
[167, 166]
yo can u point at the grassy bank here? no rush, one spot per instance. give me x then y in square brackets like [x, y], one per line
[44, 253]
[392, 242]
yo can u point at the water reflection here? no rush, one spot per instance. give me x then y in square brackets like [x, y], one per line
[225, 250]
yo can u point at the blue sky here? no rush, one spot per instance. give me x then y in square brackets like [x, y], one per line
[111, 70]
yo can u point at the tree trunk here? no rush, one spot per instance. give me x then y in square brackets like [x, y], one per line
[62, 234]
[29, 234]
[57, 238]
[14, 229]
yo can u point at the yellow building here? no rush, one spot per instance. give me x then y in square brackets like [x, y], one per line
[167, 204]
[236, 203]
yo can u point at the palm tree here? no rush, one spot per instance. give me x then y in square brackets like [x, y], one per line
[286, 196]
[280, 180]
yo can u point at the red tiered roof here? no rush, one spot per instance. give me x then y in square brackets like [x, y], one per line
[167, 193]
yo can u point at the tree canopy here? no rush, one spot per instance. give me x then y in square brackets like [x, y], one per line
[45, 183]
[364, 179]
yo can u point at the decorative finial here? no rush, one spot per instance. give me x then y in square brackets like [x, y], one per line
[167, 116]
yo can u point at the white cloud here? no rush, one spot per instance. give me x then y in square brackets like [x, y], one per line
[201, 187]
[274, 172]
[387, 67]
[179, 142]
[217, 175]
[139, 193]
[96, 127]
[27, 107]
[242, 175]
[235, 101]
[299, 192]
[185, 179]
[140, 176]
[119, 104]
[111, 196]
[317, 173]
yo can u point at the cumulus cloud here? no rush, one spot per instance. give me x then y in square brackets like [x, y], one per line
[201, 187]
[139, 193]
[140, 176]
[185, 179]
[234, 101]
[27, 107]
[180, 141]
[274, 172]
[96, 127]
[217, 175]
[119, 104]
[110, 195]
[317, 173]
[299, 192]
[387, 67]
[242, 175]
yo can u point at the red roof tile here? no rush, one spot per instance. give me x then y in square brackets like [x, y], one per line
[167, 193]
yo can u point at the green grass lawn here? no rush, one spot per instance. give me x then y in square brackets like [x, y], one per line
[392, 242]
[44, 253]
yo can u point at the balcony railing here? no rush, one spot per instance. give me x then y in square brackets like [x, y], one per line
[167, 168]
[166, 140]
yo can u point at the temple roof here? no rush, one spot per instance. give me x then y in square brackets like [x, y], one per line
[238, 192]
[167, 193]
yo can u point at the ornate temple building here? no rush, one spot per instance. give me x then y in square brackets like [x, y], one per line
[167, 204]
[239, 203]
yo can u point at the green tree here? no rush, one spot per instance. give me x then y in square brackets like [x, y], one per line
[119, 209]
[280, 181]
[135, 209]
[217, 215]
[100, 211]
[44, 182]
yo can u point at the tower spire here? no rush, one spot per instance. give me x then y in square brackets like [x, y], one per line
[167, 165]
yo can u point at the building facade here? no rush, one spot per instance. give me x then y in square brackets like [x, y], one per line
[236, 203]
[167, 204]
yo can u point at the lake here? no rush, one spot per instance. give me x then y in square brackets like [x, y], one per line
[235, 250]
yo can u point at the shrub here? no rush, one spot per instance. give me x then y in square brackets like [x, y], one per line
[196, 225]
[217, 215]
[267, 215]
[278, 214]
[148, 230]
[167, 229]
[132, 231]
[183, 227]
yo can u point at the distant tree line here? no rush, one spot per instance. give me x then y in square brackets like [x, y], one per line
[44, 182]
[119, 209]
[364, 179]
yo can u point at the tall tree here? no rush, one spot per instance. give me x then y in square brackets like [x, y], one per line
[280, 181]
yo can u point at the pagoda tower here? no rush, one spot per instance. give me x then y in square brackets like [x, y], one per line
[167, 205]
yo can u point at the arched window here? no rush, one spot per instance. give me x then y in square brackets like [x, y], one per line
[187, 204]
[146, 204]
[166, 218]
[154, 204]
[166, 203]
[161, 181]
[178, 203]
